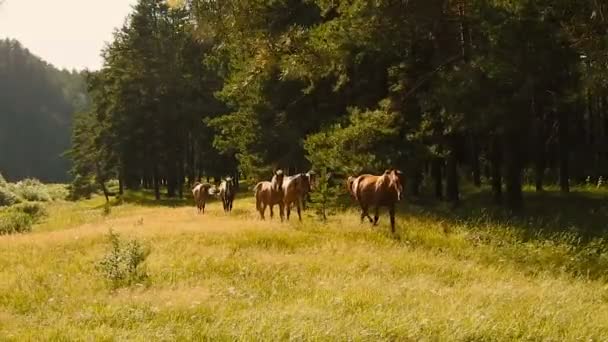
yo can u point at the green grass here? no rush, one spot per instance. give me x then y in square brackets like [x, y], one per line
[463, 274]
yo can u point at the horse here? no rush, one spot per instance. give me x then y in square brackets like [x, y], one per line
[349, 185]
[201, 192]
[295, 189]
[270, 194]
[378, 191]
[311, 175]
[227, 192]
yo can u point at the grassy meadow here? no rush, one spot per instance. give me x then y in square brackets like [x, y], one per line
[449, 274]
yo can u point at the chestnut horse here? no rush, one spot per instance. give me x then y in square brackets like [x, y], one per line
[295, 189]
[377, 191]
[269, 194]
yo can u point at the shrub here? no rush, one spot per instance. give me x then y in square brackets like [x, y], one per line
[57, 191]
[35, 210]
[123, 264]
[12, 221]
[81, 187]
[7, 197]
[325, 197]
[32, 190]
[2, 180]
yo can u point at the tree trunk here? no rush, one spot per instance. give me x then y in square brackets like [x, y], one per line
[513, 167]
[564, 174]
[156, 181]
[475, 168]
[496, 170]
[437, 177]
[120, 186]
[452, 192]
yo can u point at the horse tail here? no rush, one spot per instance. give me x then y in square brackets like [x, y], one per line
[258, 199]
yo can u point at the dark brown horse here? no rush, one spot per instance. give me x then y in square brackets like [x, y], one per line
[270, 194]
[377, 191]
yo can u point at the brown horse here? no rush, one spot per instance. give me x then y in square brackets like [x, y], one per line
[201, 192]
[378, 191]
[295, 189]
[269, 194]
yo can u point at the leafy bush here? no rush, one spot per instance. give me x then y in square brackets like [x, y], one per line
[57, 191]
[2, 180]
[35, 210]
[12, 221]
[81, 187]
[324, 198]
[32, 190]
[123, 264]
[7, 197]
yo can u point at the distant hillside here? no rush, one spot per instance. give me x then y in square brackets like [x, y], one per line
[37, 102]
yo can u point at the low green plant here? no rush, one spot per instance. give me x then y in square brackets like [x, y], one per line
[81, 187]
[123, 265]
[7, 196]
[32, 190]
[12, 222]
[325, 197]
[34, 209]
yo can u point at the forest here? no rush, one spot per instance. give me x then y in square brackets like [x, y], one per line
[501, 93]
[37, 103]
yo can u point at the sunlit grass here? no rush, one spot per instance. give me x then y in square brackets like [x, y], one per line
[235, 277]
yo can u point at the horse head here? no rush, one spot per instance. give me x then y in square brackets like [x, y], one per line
[277, 179]
[395, 182]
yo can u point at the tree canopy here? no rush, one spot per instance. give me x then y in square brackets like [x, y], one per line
[37, 102]
[502, 92]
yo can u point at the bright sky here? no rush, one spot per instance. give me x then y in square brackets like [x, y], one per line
[66, 33]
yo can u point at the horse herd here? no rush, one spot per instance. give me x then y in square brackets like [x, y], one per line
[369, 191]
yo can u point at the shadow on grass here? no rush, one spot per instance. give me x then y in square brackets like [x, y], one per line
[546, 214]
[146, 198]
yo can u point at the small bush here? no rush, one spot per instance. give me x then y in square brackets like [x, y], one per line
[35, 210]
[58, 191]
[81, 187]
[7, 197]
[325, 197]
[12, 222]
[123, 264]
[32, 190]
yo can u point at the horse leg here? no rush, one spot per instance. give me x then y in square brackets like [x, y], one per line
[391, 212]
[376, 215]
[288, 208]
[271, 211]
[299, 211]
[364, 213]
[281, 210]
[262, 210]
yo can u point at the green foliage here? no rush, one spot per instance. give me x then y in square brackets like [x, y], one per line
[7, 196]
[81, 187]
[37, 103]
[20, 217]
[12, 222]
[32, 190]
[123, 265]
[362, 143]
[324, 198]
[36, 210]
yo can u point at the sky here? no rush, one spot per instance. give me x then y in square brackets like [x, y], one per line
[66, 33]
